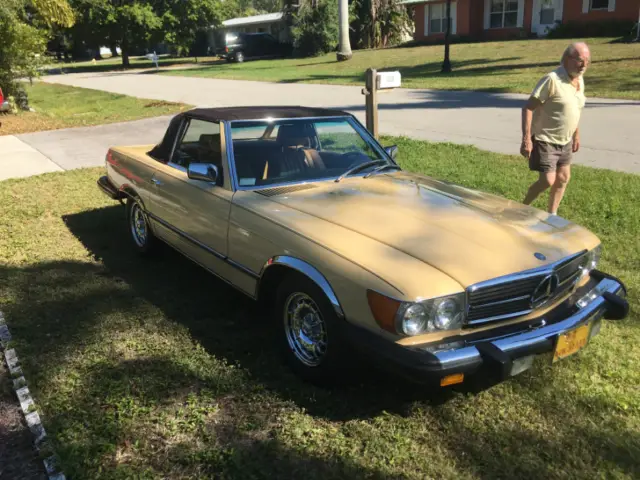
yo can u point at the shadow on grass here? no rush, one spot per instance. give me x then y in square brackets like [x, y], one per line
[225, 322]
[60, 307]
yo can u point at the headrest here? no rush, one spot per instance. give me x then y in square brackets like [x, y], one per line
[210, 141]
[295, 134]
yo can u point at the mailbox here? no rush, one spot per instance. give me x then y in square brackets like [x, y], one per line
[386, 80]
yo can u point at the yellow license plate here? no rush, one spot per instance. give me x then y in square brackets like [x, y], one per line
[570, 342]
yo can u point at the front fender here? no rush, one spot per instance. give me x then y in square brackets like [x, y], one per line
[307, 270]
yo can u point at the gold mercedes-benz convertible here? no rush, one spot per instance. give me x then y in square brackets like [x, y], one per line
[304, 211]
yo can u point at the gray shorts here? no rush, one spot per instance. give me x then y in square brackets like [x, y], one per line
[547, 157]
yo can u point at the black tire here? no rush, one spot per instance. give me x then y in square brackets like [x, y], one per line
[330, 368]
[239, 57]
[144, 244]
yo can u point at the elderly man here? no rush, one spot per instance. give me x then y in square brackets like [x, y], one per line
[550, 134]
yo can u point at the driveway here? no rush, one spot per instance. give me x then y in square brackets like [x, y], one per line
[488, 121]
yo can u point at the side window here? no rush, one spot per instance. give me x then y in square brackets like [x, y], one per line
[200, 143]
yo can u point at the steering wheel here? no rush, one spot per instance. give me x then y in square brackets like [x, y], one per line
[351, 154]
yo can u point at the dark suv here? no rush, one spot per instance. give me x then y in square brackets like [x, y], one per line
[244, 46]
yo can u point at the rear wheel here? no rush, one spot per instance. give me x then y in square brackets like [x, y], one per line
[144, 241]
[308, 331]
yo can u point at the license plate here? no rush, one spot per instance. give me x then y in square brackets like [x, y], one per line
[570, 342]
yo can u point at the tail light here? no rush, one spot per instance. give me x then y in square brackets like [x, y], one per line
[1, 96]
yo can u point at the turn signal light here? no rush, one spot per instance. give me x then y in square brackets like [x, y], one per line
[452, 379]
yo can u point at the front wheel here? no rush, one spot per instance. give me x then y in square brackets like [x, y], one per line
[308, 331]
[144, 241]
[239, 57]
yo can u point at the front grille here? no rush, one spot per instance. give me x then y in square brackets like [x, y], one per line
[510, 296]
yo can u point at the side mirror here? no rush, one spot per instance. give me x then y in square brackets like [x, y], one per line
[392, 151]
[207, 172]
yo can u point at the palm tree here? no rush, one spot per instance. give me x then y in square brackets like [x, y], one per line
[344, 47]
[446, 65]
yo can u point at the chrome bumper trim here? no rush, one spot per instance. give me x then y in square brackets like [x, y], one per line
[470, 355]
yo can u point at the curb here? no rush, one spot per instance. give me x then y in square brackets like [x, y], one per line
[29, 411]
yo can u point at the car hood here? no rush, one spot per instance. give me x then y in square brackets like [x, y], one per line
[469, 235]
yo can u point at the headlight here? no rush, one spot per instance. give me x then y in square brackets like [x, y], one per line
[415, 318]
[591, 260]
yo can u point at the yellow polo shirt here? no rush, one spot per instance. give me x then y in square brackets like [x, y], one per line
[556, 120]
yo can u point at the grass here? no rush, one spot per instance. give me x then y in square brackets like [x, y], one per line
[512, 66]
[155, 369]
[61, 106]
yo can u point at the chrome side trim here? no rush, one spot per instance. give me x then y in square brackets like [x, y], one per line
[217, 275]
[307, 270]
[206, 248]
[471, 355]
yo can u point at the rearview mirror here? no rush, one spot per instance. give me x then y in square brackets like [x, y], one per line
[392, 151]
[207, 172]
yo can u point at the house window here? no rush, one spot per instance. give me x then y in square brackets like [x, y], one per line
[547, 12]
[599, 4]
[503, 14]
[437, 18]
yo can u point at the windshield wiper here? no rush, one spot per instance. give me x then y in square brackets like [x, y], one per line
[383, 167]
[357, 168]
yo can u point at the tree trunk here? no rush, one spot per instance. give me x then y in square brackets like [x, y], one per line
[344, 46]
[114, 50]
[125, 55]
[446, 64]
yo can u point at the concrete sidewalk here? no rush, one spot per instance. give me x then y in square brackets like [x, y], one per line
[489, 121]
[19, 159]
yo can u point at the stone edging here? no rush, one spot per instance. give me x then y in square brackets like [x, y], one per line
[29, 411]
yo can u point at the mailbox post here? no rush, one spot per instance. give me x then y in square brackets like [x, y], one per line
[377, 82]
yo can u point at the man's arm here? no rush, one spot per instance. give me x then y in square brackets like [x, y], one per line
[527, 115]
[576, 140]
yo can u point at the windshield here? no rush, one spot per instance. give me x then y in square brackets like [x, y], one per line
[283, 151]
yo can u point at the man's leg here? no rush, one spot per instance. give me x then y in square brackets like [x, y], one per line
[563, 174]
[545, 180]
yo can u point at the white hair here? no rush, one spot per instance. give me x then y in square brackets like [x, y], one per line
[572, 49]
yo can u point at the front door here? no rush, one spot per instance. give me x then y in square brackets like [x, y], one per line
[545, 13]
[193, 215]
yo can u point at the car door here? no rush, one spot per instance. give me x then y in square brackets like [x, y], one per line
[193, 215]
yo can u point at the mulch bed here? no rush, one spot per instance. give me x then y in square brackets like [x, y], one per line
[18, 458]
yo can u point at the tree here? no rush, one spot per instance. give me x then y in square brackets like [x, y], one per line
[446, 64]
[315, 28]
[344, 47]
[137, 24]
[25, 26]
[377, 23]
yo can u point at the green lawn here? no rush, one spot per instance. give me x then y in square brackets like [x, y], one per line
[513, 66]
[155, 369]
[61, 106]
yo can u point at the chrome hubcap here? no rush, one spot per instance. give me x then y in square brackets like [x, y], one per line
[138, 226]
[305, 329]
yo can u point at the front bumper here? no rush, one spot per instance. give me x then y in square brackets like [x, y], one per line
[499, 352]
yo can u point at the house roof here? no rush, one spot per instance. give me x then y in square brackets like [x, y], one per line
[266, 18]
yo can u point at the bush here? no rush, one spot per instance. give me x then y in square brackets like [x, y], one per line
[608, 28]
[315, 30]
